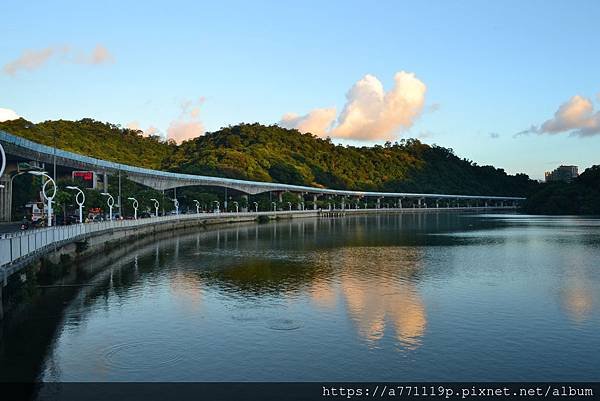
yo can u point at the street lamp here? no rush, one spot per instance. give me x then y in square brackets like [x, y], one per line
[79, 202]
[255, 206]
[48, 198]
[135, 207]
[110, 202]
[289, 205]
[176, 204]
[3, 163]
[156, 205]
[197, 206]
[217, 210]
[274, 206]
[237, 206]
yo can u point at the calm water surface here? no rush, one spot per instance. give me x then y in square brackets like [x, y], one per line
[391, 297]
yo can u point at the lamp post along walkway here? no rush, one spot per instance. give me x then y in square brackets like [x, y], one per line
[110, 202]
[135, 207]
[156, 205]
[79, 201]
[49, 199]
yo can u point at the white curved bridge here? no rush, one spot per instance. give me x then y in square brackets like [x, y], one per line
[161, 180]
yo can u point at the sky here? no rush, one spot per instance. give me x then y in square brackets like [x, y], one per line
[514, 84]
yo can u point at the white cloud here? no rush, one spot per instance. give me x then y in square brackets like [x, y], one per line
[151, 130]
[31, 60]
[8, 114]
[188, 124]
[576, 116]
[135, 126]
[317, 122]
[195, 112]
[370, 113]
[180, 131]
[100, 55]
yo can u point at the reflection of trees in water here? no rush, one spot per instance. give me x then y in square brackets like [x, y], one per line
[378, 287]
[377, 283]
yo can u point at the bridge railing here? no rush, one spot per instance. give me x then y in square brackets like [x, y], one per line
[21, 244]
[15, 246]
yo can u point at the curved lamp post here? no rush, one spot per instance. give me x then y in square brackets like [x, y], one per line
[274, 206]
[135, 207]
[237, 206]
[80, 202]
[217, 210]
[156, 205]
[197, 206]
[255, 206]
[48, 198]
[289, 205]
[2, 163]
[110, 202]
[176, 204]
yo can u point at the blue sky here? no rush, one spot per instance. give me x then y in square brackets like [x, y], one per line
[488, 70]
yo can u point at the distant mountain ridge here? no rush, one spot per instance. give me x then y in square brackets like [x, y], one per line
[272, 153]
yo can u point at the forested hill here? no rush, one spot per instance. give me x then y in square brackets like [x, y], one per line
[581, 196]
[272, 153]
[96, 139]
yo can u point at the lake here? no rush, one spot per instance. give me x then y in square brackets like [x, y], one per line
[412, 297]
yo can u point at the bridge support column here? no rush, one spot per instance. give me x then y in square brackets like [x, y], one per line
[314, 202]
[343, 202]
[105, 182]
[5, 199]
